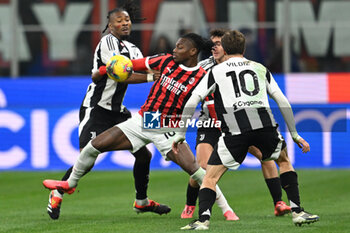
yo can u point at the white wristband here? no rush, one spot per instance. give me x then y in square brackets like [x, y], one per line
[150, 77]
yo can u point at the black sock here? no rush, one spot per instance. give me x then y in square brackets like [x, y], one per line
[68, 172]
[274, 185]
[141, 173]
[289, 181]
[206, 201]
[191, 195]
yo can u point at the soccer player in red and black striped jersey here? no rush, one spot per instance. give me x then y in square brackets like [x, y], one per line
[169, 93]
[168, 96]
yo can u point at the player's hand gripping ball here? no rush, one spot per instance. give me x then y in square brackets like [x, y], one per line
[119, 68]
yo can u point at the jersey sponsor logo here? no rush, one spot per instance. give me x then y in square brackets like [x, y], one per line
[241, 104]
[172, 85]
[93, 134]
[151, 120]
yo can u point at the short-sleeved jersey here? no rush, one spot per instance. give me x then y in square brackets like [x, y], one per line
[240, 91]
[170, 93]
[107, 93]
[208, 63]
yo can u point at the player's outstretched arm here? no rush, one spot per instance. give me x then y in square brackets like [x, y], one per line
[142, 78]
[287, 113]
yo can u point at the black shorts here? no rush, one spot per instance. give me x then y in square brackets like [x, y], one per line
[94, 121]
[232, 149]
[208, 135]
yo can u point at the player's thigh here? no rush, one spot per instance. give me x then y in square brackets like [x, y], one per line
[269, 141]
[206, 140]
[203, 152]
[133, 131]
[94, 121]
[185, 158]
[255, 152]
[111, 140]
[230, 151]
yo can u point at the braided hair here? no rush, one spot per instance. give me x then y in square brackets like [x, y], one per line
[129, 7]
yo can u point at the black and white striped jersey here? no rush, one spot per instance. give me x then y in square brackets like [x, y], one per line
[107, 93]
[208, 63]
[241, 89]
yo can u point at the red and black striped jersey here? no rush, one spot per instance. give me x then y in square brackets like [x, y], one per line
[172, 90]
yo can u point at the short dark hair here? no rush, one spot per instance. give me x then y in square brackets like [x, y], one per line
[218, 32]
[233, 42]
[199, 42]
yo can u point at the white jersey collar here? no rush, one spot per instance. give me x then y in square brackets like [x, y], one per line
[237, 59]
[190, 68]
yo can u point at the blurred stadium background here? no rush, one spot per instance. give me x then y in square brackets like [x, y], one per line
[46, 51]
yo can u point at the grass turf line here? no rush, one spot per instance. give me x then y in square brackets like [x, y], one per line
[103, 203]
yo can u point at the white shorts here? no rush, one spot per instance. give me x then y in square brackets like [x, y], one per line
[139, 137]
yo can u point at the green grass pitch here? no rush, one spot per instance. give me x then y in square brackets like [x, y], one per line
[103, 203]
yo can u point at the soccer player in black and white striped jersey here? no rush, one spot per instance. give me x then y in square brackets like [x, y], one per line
[102, 107]
[207, 138]
[241, 88]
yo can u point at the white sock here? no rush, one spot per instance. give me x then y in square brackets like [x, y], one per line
[85, 160]
[142, 202]
[198, 175]
[221, 201]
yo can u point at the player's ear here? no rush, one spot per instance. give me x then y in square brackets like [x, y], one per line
[193, 51]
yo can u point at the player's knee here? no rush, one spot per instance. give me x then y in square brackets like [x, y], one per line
[209, 182]
[143, 155]
[96, 143]
[193, 183]
[283, 158]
